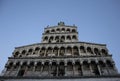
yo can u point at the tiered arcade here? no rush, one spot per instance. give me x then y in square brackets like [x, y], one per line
[60, 54]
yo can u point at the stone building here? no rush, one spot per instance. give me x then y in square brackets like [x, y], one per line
[60, 56]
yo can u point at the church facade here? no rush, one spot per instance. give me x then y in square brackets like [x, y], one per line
[61, 56]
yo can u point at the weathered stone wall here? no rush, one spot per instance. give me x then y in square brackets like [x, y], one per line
[84, 79]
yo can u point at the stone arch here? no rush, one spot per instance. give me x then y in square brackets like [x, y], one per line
[23, 68]
[61, 69]
[68, 37]
[21, 72]
[49, 51]
[74, 37]
[30, 51]
[73, 30]
[38, 67]
[51, 39]
[68, 30]
[82, 49]
[16, 54]
[45, 38]
[54, 69]
[48, 31]
[46, 67]
[53, 30]
[96, 51]
[62, 51]
[58, 30]
[23, 52]
[30, 66]
[104, 52]
[109, 64]
[94, 68]
[55, 51]
[78, 69]
[69, 66]
[62, 39]
[63, 29]
[69, 50]
[75, 51]
[42, 51]
[57, 39]
[37, 50]
[86, 65]
[10, 65]
[89, 50]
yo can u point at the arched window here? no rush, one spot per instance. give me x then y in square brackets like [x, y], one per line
[30, 67]
[54, 69]
[74, 37]
[109, 64]
[47, 31]
[96, 51]
[17, 66]
[46, 67]
[16, 54]
[55, 51]
[89, 50]
[62, 51]
[86, 65]
[94, 68]
[62, 39]
[69, 50]
[75, 51]
[49, 50]
[38, 67]
[104, 52]
[10, 65]
[63, 29]
[42, 51]
[68, 30]
[101, 64]
[57, 30]
[24, 65]
[68, 38]
[45, 38]
[23, 52]
[78, 70]
[82, 49]
[69, 66]
[51, 39]
[61, 69]
[57, 39]
[37, 50]
[30, 51]
[73, 30]
[52, 30]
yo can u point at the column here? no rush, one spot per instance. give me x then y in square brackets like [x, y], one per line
[73, 69]
[72, 51]
[81, 69]
[57, 69]
[35, 63]
[91, 71]
[49, 69]
[58, 51]
[45, 52]
[79, 52]
[42, 67]
[99, 69]
[65, 67]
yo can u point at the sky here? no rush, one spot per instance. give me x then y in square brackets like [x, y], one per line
[22, 22]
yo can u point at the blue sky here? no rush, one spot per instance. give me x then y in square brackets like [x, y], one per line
[22, 22]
